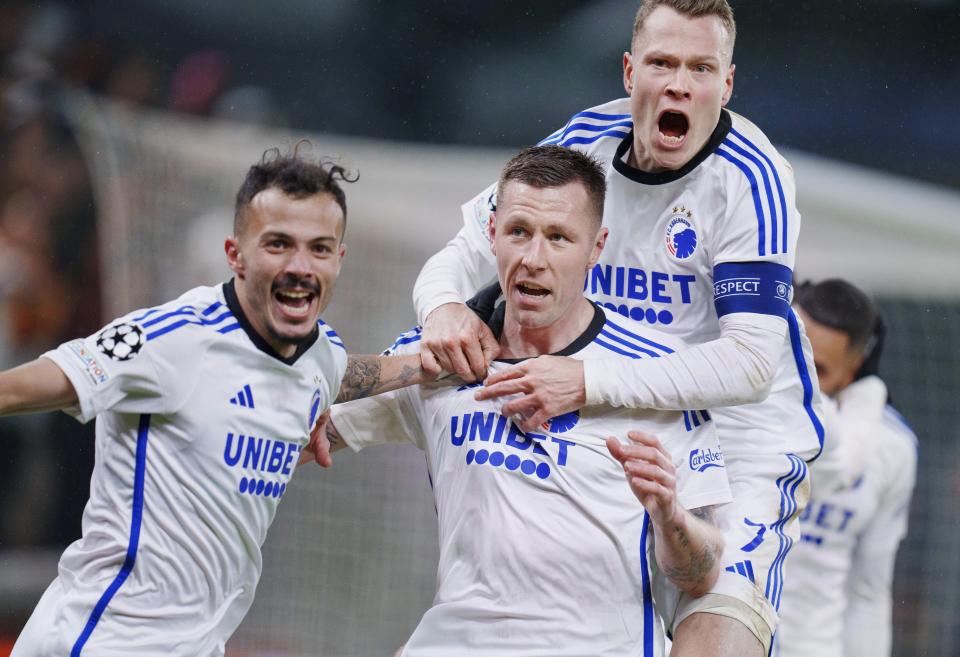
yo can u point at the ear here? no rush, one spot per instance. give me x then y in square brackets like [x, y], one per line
[341, 253]
[234, 256]
[728, 86]
[599, 243]
[628, 73]
[492, 232]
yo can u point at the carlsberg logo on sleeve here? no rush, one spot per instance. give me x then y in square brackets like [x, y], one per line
[702, 459]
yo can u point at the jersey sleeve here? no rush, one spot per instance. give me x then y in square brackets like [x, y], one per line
[736, 368]
[128, 368]
[464, 265]
[378, 420]
[868, 621]
[701, 471]
[761, 222]
[754, 242]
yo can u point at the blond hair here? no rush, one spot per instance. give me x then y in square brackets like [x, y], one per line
[719, 8]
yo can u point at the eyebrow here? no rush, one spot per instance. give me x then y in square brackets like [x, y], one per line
[661, 54]
[275, 234]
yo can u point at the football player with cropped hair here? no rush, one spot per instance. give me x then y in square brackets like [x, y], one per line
[544, 548]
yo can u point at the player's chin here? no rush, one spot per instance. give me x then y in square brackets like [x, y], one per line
[672, 157]
[295, 328]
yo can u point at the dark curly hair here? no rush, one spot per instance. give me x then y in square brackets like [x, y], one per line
[294, 175]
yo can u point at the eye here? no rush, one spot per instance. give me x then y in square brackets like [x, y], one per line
[659, 63]
[322, 249]
[701, 68]
[517, 231]
[276, 243]
[558, 237]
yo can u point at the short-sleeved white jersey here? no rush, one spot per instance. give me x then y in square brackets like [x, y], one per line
[544, 550]
[843, 533]
[199, 428]
[687, 247]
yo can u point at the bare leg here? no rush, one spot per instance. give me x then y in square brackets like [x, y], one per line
[712, 635]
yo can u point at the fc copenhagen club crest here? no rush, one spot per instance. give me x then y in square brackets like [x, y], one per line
[121, 342]
[562, 423]
[681, 237]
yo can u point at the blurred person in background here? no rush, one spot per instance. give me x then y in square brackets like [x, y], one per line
[837, 600]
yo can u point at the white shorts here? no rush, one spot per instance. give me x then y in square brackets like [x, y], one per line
[759, 527]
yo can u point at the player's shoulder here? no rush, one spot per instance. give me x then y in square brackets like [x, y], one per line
[746, 144]
[895, 449]
[591, 128]
[329, 335]
[898, 436]
[407, 342]
[629, 338]
[330, 350]
[198, 315]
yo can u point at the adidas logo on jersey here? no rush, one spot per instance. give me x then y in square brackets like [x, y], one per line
[744, 568]
[243, 398]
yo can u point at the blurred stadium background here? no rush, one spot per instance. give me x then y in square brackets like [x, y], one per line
[125, 131]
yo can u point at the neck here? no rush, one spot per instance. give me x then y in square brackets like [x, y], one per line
[518, 341]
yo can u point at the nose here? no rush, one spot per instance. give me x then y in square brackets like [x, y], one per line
[534, 257]
[679, 85]
[299, 263]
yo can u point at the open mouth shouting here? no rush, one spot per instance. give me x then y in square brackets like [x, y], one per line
[294, 297]
[673, 127]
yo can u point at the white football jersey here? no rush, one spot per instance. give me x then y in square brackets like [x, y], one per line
[838, 577]
[199, 427]
[687, 247]
[544, 550]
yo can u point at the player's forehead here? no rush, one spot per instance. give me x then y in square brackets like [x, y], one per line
[566, 206]
[669, 32]
[309, 217]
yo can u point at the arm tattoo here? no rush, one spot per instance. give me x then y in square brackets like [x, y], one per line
[363, 378]
[333, 436]
[706, 513]
[698, 563]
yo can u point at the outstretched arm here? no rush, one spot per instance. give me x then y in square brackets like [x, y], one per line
[372, 375]
[688, 544]
[34, 387]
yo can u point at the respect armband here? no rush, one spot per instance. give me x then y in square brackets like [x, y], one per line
[764, 288]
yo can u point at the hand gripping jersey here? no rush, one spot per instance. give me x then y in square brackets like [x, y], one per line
[837, 600]
[199, 428]
[544, 550]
